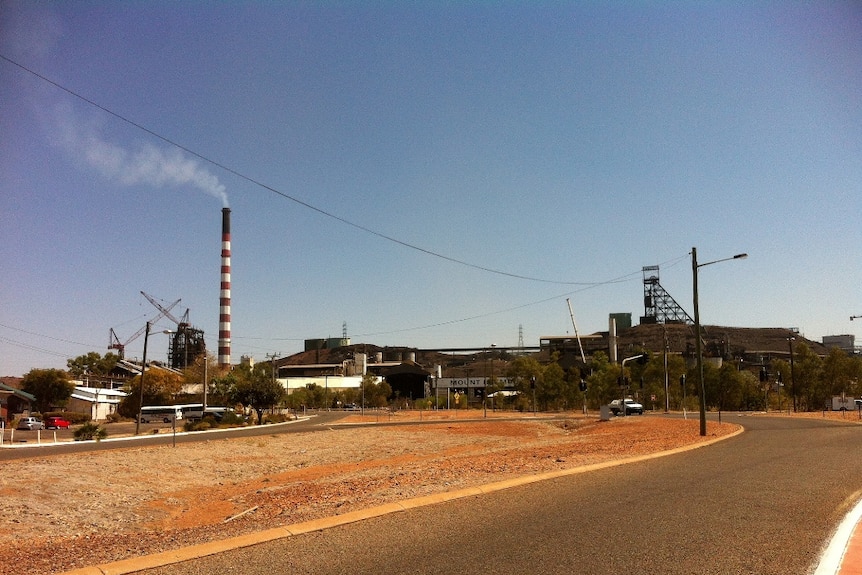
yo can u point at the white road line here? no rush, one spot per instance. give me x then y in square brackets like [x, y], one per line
[830, 561]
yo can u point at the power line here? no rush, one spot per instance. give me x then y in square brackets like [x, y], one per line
[285, 195]
[619, 279]
[43, 335]
[33, 348]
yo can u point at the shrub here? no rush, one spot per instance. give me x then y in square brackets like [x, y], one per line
[90, 431]
[199, 425]
[275, 418]
[232, 418]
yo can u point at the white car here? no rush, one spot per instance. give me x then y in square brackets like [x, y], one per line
[631, 407]
[29, 424]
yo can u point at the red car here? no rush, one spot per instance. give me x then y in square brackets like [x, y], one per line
[56, 423]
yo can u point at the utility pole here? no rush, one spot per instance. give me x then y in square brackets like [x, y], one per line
[790, 340]
[272, 357]
[206, 366]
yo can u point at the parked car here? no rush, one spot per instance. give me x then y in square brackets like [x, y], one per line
[57, 423]
[30, 423]
[631, 407]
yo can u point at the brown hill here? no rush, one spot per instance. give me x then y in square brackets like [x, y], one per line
[718, 340]
[755, 345]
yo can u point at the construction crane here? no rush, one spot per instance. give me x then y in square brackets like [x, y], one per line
[166, 311]
[114, 340]
[187, 342]
[577, 337]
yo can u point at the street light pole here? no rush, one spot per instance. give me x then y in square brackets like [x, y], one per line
[623, 376]
[143, 371]
[698, 344]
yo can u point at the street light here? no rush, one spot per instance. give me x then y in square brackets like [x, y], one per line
[698, 346]
[143, 372]
[623, 376]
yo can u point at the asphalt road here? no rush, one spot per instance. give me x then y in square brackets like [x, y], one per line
[764, 502]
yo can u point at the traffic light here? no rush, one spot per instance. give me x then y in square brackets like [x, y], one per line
[583, 385]
[764, 375]
[682, 380]
[643, 359]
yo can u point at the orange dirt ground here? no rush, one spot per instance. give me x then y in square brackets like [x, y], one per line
[66, 511]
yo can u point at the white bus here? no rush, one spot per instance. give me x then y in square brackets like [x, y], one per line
[167, 413]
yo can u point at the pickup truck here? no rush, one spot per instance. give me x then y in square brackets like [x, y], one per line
[631, 407]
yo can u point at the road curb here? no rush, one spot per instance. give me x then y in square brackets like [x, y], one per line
[843, 554]
[164, 558]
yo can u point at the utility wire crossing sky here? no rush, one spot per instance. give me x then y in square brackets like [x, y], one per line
[447, 170]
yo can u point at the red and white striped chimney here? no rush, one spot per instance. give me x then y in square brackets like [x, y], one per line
[224, 296]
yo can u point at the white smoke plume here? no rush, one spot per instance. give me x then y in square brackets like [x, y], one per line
[36, 31]
[152, 166]
[149, 165]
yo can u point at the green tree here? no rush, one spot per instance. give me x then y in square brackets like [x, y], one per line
[255, 387]
[551, 394]
[842, 373]
[729, 383]
[525, 373]
[374, 394]
[219, 389]
[316, 396]
[50, 387]
[752, 396]
[203, 366]
[92, 364]
[297, 399]
[780, 394]
[160, 388]
[602, 381]
[854, 374]
[810, 389]
[653, 375]
[493, 385]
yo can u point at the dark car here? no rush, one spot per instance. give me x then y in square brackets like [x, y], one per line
[57, 423]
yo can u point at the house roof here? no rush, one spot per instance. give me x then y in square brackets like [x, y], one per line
[407, 368]
[17, 392]
[98, 395]
[134, 369]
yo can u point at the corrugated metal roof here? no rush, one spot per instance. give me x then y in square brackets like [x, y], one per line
[18, 392]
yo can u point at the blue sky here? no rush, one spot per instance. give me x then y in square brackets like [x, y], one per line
[383, 161]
